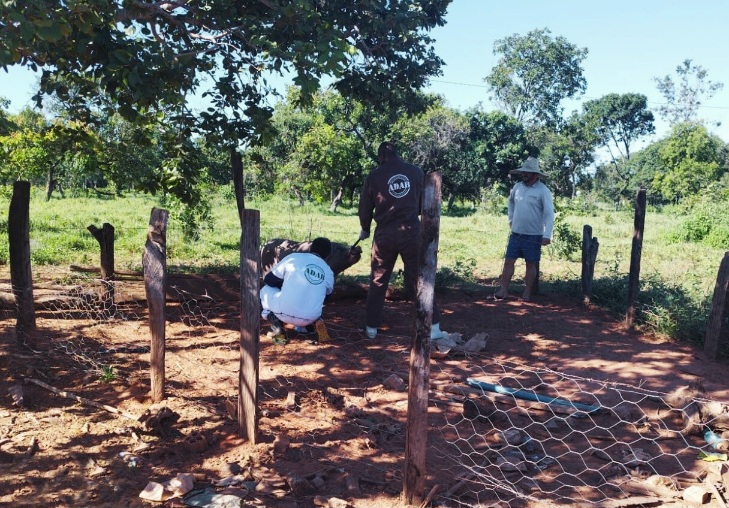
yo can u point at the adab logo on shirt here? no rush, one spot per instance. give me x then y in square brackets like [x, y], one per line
[314, 274]
[398, 186]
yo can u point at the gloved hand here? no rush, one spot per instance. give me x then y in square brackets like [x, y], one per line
[364, 234]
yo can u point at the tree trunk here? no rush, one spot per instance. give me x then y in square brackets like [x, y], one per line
[50, 183]
[451, 200]
[299, 196]
[337, 199]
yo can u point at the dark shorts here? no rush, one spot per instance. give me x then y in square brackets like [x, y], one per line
[528, 247]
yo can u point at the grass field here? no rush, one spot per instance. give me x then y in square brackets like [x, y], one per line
[677, 279]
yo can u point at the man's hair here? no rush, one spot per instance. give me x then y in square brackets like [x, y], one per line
[386, 151]
[321, 246]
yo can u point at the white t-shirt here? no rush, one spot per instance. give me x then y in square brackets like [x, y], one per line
[307, 279]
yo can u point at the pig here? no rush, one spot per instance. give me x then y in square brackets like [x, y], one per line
[341, 258]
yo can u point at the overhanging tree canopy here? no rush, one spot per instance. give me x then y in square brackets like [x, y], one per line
[140, 57]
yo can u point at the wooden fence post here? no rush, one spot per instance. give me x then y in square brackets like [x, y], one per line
[718, 325]
[21, 275]
[105, 237]
[589, 255]
[635, 255]
[154, 262]
[416, 433]
[250, 317]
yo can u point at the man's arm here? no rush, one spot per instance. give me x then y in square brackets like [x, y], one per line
[365, 210]
[510, 203]
[547, 214]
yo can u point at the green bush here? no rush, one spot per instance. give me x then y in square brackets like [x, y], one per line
[566, 242]
[706, 223]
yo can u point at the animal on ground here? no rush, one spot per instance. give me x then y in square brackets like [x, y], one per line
[341, 258]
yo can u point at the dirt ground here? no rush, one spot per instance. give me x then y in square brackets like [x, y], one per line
[331, 416]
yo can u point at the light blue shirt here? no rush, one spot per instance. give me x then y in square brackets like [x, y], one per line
[531, 210]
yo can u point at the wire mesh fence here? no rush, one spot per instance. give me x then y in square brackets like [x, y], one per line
[527, 435]
[504, 434]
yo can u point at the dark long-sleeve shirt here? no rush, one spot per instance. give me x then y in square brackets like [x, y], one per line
[391, 195]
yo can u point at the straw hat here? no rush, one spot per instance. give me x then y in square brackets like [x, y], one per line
[531, 165]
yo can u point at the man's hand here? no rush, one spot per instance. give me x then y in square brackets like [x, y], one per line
[546, 241]
[364, 234]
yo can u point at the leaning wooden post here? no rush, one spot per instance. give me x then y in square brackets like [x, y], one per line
[718, 325]
[589, 255]
[21, 275]
[635, 255]
[154, 262]
[250, 314]
[105, 237]
[416, 432]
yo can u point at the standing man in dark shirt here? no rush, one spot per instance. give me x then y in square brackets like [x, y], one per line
[391, 195]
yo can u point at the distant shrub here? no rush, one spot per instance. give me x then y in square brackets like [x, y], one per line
[707, 223]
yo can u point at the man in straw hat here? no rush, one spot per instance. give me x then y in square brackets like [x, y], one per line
[531, 220]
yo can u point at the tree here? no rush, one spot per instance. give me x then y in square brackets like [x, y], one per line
[6, 124]
[534, 74]
[498, 142]
[618, 121]
[685, 95]
[567, 153]
[434, 141]
[50, 151]
[692, 159]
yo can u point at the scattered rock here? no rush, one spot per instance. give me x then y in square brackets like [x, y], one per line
[280, 445]
[196, 442]
[155, 492]
[394, 382]
[330, 502]
[158, 419]
[696, 494]
[300, 486]
[291, 403]
[230, 469]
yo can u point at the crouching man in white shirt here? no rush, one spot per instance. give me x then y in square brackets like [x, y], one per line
[295, 288]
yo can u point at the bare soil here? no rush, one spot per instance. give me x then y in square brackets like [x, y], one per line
[331, 423]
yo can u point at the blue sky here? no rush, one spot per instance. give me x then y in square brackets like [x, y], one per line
[629, 44]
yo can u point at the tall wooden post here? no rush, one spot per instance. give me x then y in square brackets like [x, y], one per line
[718, 325]
[416, 434]
[635, 255]
[154, 261]
[105, 237]
[250, 315]
[21, 275]
[589, 255]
